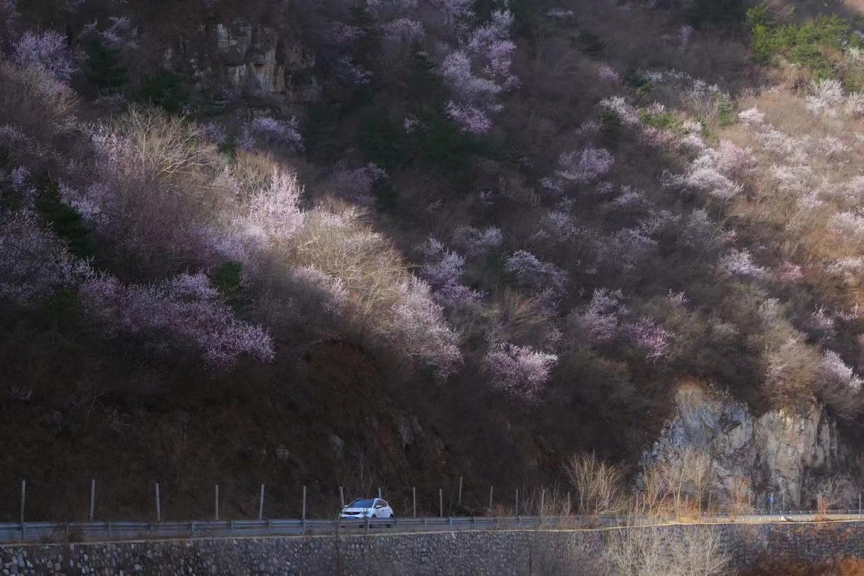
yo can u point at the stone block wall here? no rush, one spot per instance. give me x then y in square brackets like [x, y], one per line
[501, 553]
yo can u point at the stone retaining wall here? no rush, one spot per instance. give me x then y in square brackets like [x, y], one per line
[503, 553]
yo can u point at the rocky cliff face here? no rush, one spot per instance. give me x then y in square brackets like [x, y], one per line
[791, 454]
[249, 59]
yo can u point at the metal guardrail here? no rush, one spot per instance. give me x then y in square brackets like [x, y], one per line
[47, 532]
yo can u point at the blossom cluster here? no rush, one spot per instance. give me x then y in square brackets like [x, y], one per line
[421, 332]
[404, 30]
[356, 184]
[599, 323]
[46, 50]
[531, 272]
[443, 271]
[519, 371]
[187, 308]
[711, 169]
[33, 262]
[740, 263]
[120, 34]
[474, 241]
[588, 165]
[655, 341]
[479, 71]
[273, 214]
[280, 132]
[832, 368]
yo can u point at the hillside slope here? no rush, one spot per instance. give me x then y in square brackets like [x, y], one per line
[395, 243]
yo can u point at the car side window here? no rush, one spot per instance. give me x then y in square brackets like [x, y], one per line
[383, 503]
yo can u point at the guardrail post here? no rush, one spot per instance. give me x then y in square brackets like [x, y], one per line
[542, 500]
[459, 498]
[261, 504]
[304, 509]
[859, 503]
[414, 498]
[379, 492]
[440, 503]
[342, 496]
[23, 498]
[491, 493]
[92, 498]
[217, 502]
[158, 505]
[517, 502]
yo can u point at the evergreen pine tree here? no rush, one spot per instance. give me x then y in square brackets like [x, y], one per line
[103, 68]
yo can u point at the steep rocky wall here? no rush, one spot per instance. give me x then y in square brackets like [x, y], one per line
[502, 553]
[789, 453]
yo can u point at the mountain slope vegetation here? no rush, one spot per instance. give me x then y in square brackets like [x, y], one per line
[392, 243]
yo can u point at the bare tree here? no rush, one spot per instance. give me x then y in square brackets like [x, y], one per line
[597, 483]
[698, 470]
[653, 499]
[829, 495]
[698, 551]
[654, 551]
[681, 475]
[738, 499]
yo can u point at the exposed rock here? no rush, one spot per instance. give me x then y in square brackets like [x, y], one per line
[783, 452]
[244, 58]
[338, 445]
[406, 430]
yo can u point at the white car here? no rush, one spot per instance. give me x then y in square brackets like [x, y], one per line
[363, 508]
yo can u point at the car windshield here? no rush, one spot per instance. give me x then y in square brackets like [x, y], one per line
[361, 504]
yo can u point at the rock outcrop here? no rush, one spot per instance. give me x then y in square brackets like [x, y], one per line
[792, 454]
[249, 59]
